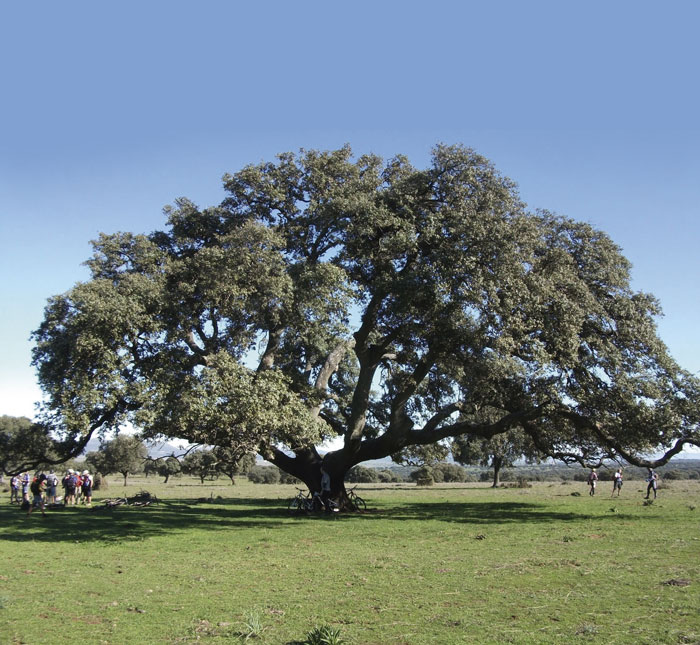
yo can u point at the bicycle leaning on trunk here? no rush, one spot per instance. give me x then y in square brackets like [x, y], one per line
[308, 502]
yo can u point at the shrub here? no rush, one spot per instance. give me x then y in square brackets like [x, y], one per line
[264, 475]
[387, 476]
[362, 475]
[423, 476]
[450, 472]
[99, 482]
[324, 635]
[673, 474]
[523, 483]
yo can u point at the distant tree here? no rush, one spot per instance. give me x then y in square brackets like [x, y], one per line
[387, 476]
[99, 481]
[167, 467]
[23, 444]
[450, 472]
[230, 462]
[264, 475]
[200, 463]
[150, 467]
[95, 460]
[499, 451]
[125, 454]
[423, 476]
[673, 474]
[362, 475]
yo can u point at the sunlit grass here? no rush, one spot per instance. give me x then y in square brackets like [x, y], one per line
[455, 563]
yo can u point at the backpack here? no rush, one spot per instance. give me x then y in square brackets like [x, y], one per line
[35, 487]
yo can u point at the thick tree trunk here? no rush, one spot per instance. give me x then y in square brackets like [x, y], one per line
[497, 464]
[306, 465]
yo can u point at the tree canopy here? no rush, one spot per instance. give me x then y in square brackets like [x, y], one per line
[499, 451]
[374, 302]
[125, 454]
[23, 445]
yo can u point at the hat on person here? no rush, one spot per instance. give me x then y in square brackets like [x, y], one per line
[85, 472]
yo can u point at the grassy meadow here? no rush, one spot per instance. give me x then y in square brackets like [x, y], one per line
[453, 563]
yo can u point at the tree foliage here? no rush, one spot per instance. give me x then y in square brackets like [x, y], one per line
[264, 475]
[23, 445]
[499, 451]
[373, 301]
[164, 466]
[200, 463]
[125, 454]
[231, 463]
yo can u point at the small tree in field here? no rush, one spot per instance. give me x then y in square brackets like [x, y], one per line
[264, 475]
[449, 472]
[231, 463]
[200, 463]
[497, 452]
[125, 455]
[168, 467]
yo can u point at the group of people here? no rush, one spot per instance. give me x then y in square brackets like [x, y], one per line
[652, 482]
[41, 489]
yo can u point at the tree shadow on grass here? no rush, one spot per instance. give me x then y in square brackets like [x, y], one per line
[480, 512]
[126, 523]
[129, 523]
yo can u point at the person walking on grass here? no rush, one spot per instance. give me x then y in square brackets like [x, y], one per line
[592, 481]
[617, 482]
[652, 483]
[38, 488]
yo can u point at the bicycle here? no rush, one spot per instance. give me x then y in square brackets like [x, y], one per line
[304, 502]
[356, 502]
[307, 502]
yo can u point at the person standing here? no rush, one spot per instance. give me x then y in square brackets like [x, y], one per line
[592, 481]
[26, 483]
[325, 490]
[652, 483]
[15, 484]
[617, 482]
[69, 483]
[51, 484]
[86, 487]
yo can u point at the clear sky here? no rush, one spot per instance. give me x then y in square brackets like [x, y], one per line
[110, 111]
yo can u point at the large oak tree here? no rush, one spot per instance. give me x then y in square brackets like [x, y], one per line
[385, 305]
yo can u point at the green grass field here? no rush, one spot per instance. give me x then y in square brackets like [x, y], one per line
[458, 563]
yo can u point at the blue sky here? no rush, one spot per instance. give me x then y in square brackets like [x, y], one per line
[110, 111]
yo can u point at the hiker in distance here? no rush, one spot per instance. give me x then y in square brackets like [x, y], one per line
[617, 482]
[592, 481]
[652, 483]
